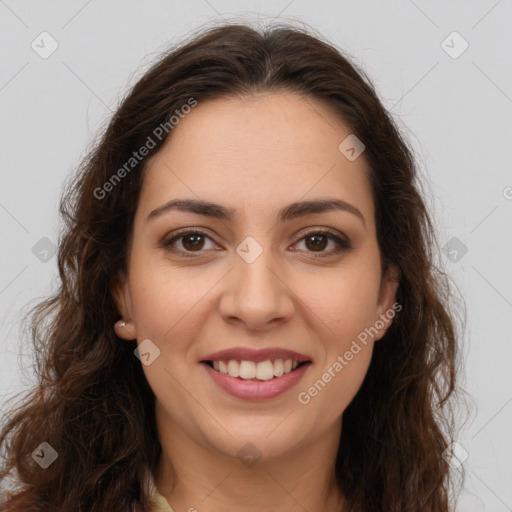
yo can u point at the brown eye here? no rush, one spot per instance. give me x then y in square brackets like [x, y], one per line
[316, 242]
[193, 241]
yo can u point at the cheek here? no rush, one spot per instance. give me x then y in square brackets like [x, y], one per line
[346, 303]
[164, 299]
[340, 372]
[329, 393]
[343, 302]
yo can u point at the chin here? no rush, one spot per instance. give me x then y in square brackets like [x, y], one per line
[266, 440]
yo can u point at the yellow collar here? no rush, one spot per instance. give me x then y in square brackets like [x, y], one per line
[158, 502]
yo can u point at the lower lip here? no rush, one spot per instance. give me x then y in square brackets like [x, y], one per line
[256, 389]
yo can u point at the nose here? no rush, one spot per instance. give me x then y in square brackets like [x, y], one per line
[256, 295]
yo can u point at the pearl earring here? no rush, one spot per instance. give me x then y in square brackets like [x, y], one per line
[121, 323]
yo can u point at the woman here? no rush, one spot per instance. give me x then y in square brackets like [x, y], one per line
[249, 316]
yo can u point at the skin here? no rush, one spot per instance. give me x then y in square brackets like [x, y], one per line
[256, 155]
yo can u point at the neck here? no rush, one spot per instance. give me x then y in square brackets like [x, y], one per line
[202, 478]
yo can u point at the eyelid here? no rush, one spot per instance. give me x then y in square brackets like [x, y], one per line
[166, 243]
[343, 242]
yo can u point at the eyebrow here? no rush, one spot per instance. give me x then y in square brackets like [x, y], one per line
[287, 213]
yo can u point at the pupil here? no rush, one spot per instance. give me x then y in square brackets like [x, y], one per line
[195, 243]
[315, 240]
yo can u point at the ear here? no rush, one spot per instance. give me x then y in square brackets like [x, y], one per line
[387, 306]
[121, 294]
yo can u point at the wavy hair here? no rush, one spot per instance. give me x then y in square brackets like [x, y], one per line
[92, 402]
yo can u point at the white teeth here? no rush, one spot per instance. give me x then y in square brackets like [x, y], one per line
[233, 368]
[278, 367]
[264, 370]
[247, 370]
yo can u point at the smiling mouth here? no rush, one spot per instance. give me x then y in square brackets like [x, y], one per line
[256, 371]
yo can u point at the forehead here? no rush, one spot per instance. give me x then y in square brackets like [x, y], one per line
[261, 151]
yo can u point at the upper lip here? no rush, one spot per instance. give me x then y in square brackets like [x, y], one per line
[250, 354]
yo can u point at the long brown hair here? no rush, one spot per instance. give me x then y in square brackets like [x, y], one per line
[93, 404]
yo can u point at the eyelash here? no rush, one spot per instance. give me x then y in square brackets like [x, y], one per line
[343, 244]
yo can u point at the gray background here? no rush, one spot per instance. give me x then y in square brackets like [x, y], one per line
[453, 108]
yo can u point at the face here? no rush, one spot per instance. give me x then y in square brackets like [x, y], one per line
[284, 283]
